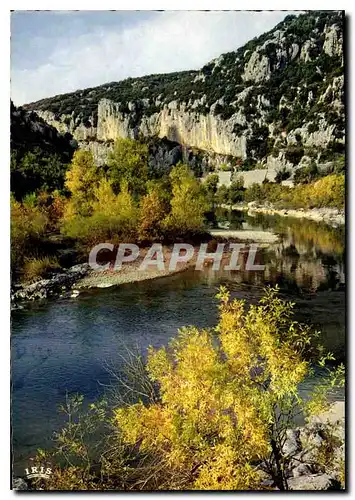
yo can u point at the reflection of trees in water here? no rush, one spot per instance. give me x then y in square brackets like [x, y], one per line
[303, 233]
[310, 255]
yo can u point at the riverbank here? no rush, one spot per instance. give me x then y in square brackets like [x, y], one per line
[72, 281]
[331, 216]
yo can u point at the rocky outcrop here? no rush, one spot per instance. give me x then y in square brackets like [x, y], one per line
[237, 105]
[314, 454]
[332, 216]
[333, 42]
[177, 124]
[57, 285]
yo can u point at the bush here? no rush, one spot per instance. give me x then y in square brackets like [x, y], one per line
[236, 191]
[189, 203]
[329, 191]
[307, 174]
[294, 154]
[28, 226]
[35, 269]
[227, 396]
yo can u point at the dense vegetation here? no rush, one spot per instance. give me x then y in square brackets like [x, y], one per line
[208, 412]
[120, 203]
[319, 192]
[39, 154]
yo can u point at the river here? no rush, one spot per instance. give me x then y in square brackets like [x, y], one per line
[70, 345]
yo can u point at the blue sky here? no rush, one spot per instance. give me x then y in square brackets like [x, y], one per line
[61, 51]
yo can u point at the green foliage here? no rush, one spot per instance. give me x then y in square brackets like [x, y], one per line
[129, 162]
[328, 191]
[35, 171]
[39, 154]
[282, 175]
[293, 154]
[306, 174]
[236, 191]
[211, 183]
[188, 204]
[222, 195]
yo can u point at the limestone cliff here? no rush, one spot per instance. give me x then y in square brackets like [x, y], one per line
[278, 100]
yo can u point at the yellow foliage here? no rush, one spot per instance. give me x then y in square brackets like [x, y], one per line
[81, 180]
[223, 393]
[152, 213]
[35, 268]
[28, 225]
[188, 204]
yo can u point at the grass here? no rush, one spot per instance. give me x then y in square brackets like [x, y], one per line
[37, 268]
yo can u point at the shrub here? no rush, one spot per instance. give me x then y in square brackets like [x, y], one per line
[307, 174]
[211, 183]
[35, 269]
[236, 190]
[227, 396]
[293, 154]
[28, 226]
[225, 168]
[222, 195]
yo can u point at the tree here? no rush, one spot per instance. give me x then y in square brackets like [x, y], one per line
[81, 180]
[129, 162]
[188, 204]
[236, 191]
[222, 195]
[152, 213]
[35, 170]
[227, 397]
[211, 183]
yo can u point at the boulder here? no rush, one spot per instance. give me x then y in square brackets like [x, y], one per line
[313, 482]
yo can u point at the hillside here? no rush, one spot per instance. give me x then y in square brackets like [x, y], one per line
[39, 153]
[276, 102]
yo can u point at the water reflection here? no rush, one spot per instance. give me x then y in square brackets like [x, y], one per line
[309, 256]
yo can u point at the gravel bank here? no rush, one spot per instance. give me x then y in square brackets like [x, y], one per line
[332, 216]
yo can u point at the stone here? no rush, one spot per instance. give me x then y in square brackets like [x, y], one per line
[292, 444]
[53, 286]
[301, 470]
[19, 484]
[313, 482]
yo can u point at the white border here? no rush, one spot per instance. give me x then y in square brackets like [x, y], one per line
[5, 7]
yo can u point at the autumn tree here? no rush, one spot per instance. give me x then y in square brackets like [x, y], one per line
[153, 209]
[129, 162]
[188, 204]
[81, 180]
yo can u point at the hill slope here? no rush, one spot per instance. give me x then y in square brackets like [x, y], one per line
[277, 101]
[39, 153]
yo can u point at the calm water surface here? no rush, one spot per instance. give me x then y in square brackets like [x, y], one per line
[70, 345]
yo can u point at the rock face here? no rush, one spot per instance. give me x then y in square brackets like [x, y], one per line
[303, 453]
[280, 92]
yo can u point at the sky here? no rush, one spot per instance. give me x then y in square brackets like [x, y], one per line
[53, 52]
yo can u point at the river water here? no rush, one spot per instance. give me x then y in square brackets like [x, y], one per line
[71, 345]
